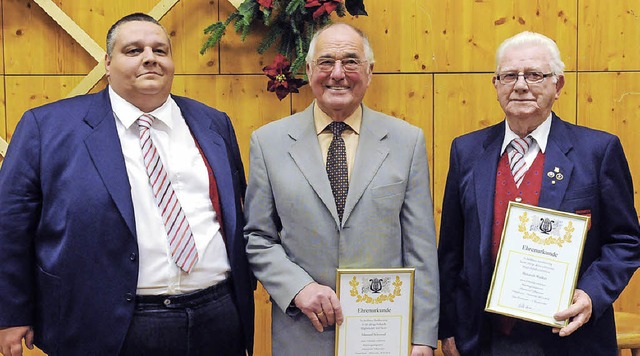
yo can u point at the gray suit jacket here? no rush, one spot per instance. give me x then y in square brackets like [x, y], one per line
[293, 231]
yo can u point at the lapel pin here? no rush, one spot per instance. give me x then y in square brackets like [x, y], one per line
[555, 175]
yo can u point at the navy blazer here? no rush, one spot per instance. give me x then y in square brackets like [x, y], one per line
[68, 246]
[596, 181]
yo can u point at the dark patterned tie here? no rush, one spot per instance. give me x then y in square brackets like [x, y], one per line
[337, 166]
[181, 241]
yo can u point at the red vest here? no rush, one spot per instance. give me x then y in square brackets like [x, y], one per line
[506, 191]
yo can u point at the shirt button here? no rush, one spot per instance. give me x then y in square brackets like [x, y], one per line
[128, 297]
[167, 302]
[133, 256]
[518, 199]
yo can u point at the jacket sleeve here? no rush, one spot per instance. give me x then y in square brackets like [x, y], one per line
[606, 277]
[20, 209]
[450, 248]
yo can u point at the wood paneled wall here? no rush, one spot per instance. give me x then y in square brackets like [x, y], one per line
[434, 63]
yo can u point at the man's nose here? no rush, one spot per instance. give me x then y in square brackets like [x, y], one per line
[521, 83]
[338, 71]
[148, 56]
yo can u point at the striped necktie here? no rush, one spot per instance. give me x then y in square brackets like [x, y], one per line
[181, 241]
[518, 148]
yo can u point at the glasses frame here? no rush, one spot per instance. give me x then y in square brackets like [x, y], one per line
[360, 63]
[500, 77]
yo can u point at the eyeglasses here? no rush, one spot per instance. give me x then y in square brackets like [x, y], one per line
[529, 77]
[348, 64]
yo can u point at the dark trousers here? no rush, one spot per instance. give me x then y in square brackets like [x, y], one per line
[205, 322]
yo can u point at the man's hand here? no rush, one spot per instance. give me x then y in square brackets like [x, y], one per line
[11, 340]
[421, 350]
[320, 304]
[578, 313]
[449, 347]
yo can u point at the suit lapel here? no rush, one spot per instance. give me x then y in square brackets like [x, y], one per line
[370, 154]
[556, 161]
[105, 150]
[305, 152]
[484, 175]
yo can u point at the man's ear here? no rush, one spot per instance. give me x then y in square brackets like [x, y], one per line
[107, 64]
[559, 85]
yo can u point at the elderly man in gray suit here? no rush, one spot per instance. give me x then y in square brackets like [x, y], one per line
[338, 186]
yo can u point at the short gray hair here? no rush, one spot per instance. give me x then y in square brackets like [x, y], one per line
[368, 52]
[531, 39]
[138, 16]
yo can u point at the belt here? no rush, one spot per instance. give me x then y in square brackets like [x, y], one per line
[214, 292]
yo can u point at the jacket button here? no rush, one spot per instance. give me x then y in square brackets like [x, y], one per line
[133, 256]
[128, 297]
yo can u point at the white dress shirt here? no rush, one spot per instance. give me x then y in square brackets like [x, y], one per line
[540, 136]
[158, 273]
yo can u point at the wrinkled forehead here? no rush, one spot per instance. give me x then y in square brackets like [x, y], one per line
[525, 57]
[339, 42]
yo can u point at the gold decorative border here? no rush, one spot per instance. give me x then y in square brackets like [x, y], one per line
[570, 280]
[381, 298]
[407, 274]
[522, 227]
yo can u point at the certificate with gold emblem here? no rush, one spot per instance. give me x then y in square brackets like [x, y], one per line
[377, 305]
[537, 264]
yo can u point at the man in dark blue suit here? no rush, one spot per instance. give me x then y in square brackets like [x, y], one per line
[567, 168]
[106, 250]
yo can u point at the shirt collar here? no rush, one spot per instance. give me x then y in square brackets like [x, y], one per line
[540, 134]
[321, 119]
[128, 113]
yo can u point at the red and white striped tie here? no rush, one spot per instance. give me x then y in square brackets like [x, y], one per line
[519, 146]
[181, 241]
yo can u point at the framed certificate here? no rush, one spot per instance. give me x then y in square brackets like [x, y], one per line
[537, 264]
[377, 305]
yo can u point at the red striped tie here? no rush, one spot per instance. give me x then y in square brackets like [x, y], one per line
[519, 146]
[181, 241]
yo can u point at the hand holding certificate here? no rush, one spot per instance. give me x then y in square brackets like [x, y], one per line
[537, 264]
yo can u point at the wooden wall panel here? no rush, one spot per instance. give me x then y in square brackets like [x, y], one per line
[611, 102]
[237, 56]
[1, 41]
[186, 23]
[50, 49]
[244, 98]
[608, 34]
[467, 33]
[401, 36]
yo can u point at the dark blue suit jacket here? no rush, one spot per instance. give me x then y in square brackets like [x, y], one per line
[68, 250]
[596, 180]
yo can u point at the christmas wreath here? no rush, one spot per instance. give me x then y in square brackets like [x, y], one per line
[291, 24]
